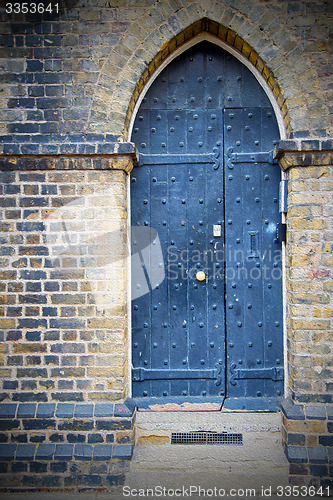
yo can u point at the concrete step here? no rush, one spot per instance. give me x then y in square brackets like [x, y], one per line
[219, 421]
[256, 464]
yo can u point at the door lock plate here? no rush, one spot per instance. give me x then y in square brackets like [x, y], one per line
[217, 230]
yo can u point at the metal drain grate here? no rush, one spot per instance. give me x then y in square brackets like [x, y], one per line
[204, 437]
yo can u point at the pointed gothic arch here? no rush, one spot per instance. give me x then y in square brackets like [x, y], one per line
[226, 38]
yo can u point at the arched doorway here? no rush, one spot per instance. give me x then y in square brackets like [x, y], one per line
[211, 330]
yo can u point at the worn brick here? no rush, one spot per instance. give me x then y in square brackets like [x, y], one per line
[83, 452]
[15, 360]
[45, 410]
[76, 425]
[113, 424]
[19, 467]
[317, 455]
[124, 437]
[58, 467]
[110, 438]
[39, 424]
[29, 396]
[26, 410]
[37, 439]
[38, 467]
[56, 438]
[68, 372]
[7, 451]
[32, 299]
[28, 385]
[95, 438]
[102, 452]
[8, 410]
[116, 479]
[124, 452]
[51, 360]
[76, 438]
[45, 481]
[63, 452]
[29, 348]
[86, 480]
[70, 396]
[25, 452]
[19, 438]
[32, 275]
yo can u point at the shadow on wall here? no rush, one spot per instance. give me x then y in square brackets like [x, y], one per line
[85, 229]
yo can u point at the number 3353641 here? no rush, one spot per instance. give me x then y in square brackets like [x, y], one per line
[31, 8]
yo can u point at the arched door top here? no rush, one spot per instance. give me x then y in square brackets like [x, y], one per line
[269, 85]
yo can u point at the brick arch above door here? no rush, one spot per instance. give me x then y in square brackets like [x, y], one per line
[274, 53]
[208, 30]
[264, 77]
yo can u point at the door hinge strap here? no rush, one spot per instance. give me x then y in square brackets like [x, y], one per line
[261, 157]
[215, 158]
[175, 159]
[275, 374]
[140, 374]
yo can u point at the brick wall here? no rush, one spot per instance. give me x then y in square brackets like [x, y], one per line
[309, 268]
[307, 427]
[65, 445]
[64, 275]
[63, 319]
[310, 306]
[307, 440]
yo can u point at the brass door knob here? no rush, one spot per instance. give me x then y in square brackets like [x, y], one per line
[200, 276]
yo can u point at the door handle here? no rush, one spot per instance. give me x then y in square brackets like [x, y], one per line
[200, 276]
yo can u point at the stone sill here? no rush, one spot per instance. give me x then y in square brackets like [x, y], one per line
[67, 410]
[294, 411]
[54, 145]
[304, 153]
[302, 145]
[97, 452]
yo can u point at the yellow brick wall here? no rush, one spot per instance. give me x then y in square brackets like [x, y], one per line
[309, 282]
[64, 282]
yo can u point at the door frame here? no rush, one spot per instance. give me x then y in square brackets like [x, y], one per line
[204, 36]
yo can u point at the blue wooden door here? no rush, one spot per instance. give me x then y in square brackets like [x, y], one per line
[203, 132]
